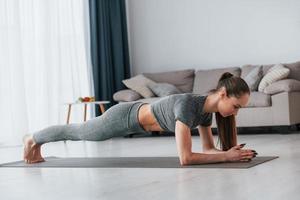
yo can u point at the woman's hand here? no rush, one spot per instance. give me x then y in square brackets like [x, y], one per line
[236, 153]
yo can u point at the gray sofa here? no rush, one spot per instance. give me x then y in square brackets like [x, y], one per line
[278, 108]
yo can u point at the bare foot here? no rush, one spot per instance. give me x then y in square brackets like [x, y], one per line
[32, 151]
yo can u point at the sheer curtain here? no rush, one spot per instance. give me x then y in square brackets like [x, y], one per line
[44, 63]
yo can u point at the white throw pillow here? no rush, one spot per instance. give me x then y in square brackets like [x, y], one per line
[275, 73]
[139, 84]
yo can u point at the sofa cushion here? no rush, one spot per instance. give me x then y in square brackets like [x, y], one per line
[163, 89]
[295, 70]
[206, 80]
[259, 99]
[276, 73]
[246, 69]
[294, 67]
[254, 77]
[181, 79]
[139, 84]
[286, 85]
[126, 95]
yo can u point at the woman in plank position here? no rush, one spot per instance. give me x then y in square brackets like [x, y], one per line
[178, 113]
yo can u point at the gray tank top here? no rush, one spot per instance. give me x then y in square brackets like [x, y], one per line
[187, 108]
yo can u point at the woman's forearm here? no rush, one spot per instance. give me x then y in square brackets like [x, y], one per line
[213, 151]
[202, 158]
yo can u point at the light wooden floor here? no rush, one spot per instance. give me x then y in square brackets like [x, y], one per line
[277, 179]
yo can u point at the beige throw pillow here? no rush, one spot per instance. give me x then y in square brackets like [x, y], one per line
[275, 73]
[139, 84]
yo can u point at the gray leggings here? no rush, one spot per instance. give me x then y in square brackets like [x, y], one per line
[118, 120]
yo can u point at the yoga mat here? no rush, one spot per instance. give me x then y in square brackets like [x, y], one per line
[131, 162]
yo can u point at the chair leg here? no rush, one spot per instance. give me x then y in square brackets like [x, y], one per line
[84, 115]
[69, 113]
[102, 108]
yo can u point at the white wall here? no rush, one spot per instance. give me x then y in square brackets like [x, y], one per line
[179, 34]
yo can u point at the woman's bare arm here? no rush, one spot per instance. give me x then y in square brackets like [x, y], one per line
[207, 139]
[184, 148]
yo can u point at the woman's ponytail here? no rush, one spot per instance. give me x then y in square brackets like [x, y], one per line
[227, 131]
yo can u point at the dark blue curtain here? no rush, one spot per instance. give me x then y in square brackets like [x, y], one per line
[109, 48]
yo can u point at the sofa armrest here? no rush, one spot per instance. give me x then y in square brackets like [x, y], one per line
[126, 95]
[286, 108]
[286, 85]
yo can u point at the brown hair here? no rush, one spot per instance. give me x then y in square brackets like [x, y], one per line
[227, 131]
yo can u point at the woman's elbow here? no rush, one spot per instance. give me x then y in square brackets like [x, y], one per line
[185, 160]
